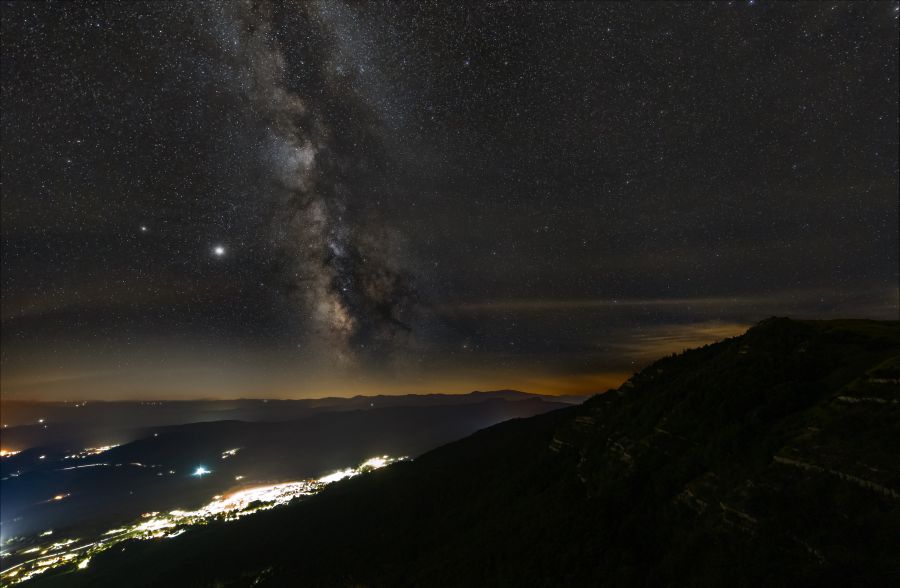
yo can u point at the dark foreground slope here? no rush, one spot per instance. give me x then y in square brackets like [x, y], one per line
[769, 459]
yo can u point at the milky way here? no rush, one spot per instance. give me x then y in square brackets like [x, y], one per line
[340, 266]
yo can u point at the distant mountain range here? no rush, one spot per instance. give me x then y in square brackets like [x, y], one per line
[769, 459]
[95, 423]
[153, 472]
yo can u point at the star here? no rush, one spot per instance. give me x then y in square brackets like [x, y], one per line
[219, 250]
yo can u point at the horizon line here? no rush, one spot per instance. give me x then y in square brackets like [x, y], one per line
[288, 399]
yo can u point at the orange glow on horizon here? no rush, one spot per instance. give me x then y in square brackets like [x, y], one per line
[244, 379]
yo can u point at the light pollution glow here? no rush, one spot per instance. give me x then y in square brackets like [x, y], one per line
[237, 375]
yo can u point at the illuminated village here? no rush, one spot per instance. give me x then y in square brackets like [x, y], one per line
[47, 552]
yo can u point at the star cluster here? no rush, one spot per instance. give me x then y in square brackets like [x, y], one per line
[290, 198]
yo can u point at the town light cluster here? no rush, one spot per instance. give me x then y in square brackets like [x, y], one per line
[154, 525]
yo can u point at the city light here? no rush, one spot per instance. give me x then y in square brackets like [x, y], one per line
[336, 476]
[88, 452]
[154, 525]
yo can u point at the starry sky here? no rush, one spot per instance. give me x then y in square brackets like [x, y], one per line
[302, 199]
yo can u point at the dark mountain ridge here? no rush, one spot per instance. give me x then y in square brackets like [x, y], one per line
[772, 459]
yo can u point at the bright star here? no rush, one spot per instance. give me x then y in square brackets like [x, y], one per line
[218, 250]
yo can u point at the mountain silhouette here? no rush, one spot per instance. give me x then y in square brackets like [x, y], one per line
[771, 459]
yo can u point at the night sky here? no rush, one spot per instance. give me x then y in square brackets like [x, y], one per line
[242, 199]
